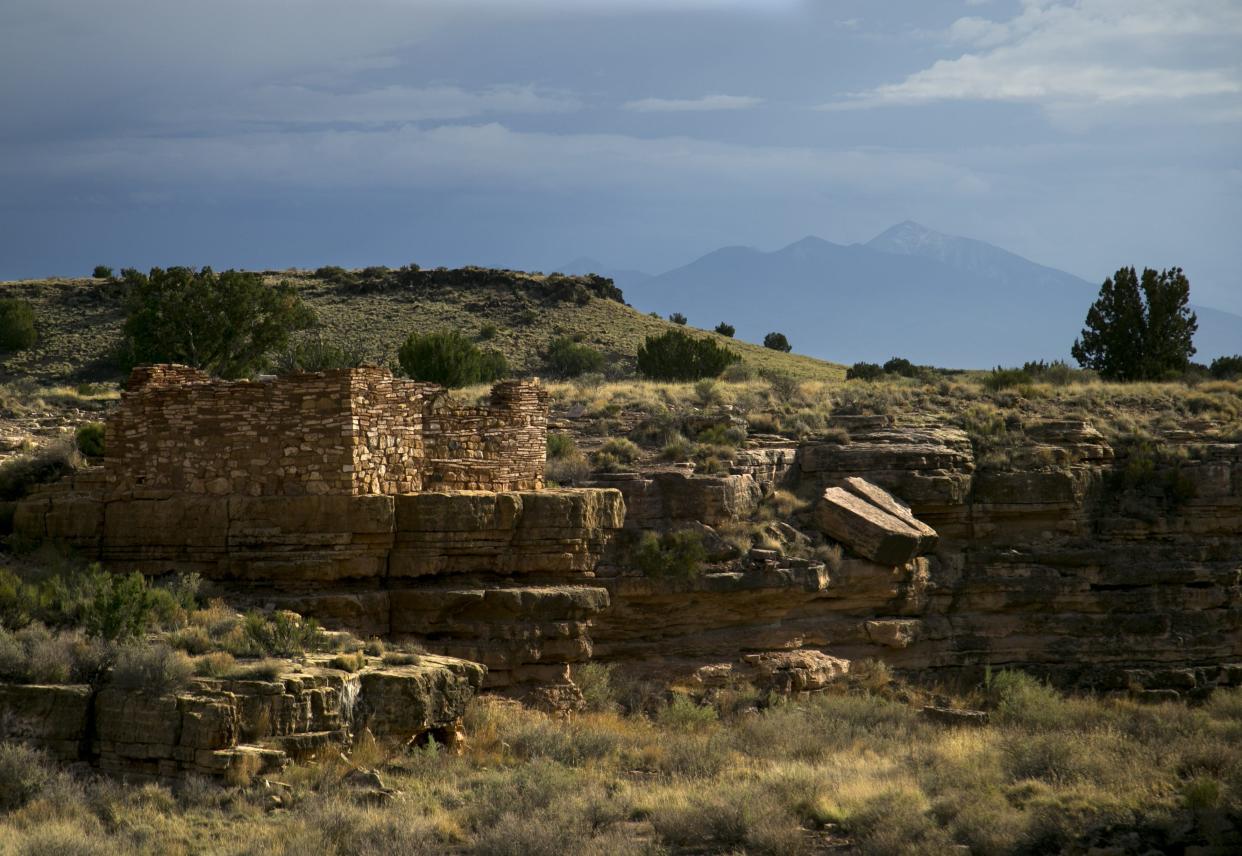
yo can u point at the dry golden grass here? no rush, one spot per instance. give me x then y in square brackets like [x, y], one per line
[850, 769]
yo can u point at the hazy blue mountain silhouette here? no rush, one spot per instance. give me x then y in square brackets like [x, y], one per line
[908, 292]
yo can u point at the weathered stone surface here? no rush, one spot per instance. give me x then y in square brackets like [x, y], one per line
[405, 701]
[669, 498]
[53, 716]
[865, 528]
[214, 724]
[885, 501]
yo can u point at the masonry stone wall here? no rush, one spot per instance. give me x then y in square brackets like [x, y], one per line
[344, 432]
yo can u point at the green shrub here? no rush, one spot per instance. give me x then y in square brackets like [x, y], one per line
[777, 342]
[89, 438]
[566, 464]
[117, 607]
[450, 359]
[567, 358]
[24, 772]
[318, 354]
[682, 714]
[725, 329]
[488, 331]
[864, 371]
[284, 634]
[17, 325]
[332, 273]
[152, 668]
[1226, 368]
[595, 681]
[676, 355]
[20, 475]
[561, 445]
[225, 324]
[677, 318]
[673, 555]
[785, 387]
[739, 372]
[401, 658]
[1001, 378]
[36, 655]
[102, 272]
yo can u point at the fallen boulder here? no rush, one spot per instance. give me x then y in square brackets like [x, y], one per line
[866, 528]
[882, 499]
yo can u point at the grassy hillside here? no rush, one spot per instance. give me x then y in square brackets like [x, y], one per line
[80, 319]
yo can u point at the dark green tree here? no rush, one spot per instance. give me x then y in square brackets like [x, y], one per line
[1139, 328]
[17, 325]
[450, 359]
[223, 323]
[567, 358]
[777, 342]
[725, 329]
[1226, 368]
[677, 318]
[676, 355]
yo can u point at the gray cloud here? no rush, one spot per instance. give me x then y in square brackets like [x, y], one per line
[705, 103]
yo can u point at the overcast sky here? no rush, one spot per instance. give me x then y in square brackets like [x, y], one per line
[273, 133]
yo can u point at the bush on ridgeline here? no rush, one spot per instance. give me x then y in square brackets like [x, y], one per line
[225, 324]
[450, 359]
[777, 342]
[725, 329]
[864, 371]
[567, 358]
[901, 366]
[102, 272]
[1140, 328]
[1056, 373]
[676, 355]
[1226, 368]
[677, 318]
[17, 325]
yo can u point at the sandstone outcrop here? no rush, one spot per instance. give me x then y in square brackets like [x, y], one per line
[215, 726]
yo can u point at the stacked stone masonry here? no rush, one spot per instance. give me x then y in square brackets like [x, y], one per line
[344, 432]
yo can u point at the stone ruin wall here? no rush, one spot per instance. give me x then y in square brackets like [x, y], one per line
[344, 432]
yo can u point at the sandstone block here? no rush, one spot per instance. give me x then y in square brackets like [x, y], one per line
[404, 701]
[55, 717]
[866, 529]
[884, 500]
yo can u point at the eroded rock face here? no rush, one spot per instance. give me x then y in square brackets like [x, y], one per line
[501, 578]
[216, 725]
[667, 499]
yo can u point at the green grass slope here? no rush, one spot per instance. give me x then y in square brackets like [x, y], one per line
[79, 320]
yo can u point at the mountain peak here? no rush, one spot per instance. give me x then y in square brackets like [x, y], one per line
[908, 238]
[808, 246]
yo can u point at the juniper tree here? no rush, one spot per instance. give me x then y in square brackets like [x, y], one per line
[1139, 329]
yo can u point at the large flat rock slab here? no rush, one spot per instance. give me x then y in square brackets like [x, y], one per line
[866, 528]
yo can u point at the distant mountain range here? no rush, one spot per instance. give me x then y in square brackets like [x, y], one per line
[910, 291]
